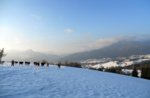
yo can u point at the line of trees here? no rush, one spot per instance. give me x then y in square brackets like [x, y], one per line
[71, 64]
[144, 68]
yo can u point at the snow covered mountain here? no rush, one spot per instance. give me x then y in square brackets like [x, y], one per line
[68, 82]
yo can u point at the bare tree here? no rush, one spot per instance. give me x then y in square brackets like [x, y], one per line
[2, 54]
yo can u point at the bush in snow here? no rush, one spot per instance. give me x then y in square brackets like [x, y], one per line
[72, 64]
[134, 72]
[114, 70]
[111, 69]
[101, 68]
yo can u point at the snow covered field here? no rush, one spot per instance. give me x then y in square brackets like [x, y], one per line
[68, 82]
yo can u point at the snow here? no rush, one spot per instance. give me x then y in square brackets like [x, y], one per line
[96, 66]
[102, 60]
[129, 72]
[119, 61]
[114, 63]
[110, 64]
[105, 65]
[147, 56]
[68, 82]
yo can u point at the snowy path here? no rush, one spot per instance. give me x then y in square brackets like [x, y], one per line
[51, 82]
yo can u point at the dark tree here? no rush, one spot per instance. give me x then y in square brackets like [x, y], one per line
[134, 72]
[12, 63]
[2, 55]
[59, 64]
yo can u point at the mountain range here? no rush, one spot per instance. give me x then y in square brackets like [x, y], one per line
[29, 55]
[119, 49]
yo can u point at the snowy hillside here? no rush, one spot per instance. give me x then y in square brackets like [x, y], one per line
[120, 61]
[67, 82]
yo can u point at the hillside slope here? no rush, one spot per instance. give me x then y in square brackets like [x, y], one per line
[120, 49]
[67, 82]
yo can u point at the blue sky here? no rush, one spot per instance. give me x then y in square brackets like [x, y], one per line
[67, 26]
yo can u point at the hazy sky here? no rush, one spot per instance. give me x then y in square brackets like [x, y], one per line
[67, 26]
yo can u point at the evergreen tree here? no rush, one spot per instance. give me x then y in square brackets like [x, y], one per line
[134, 72]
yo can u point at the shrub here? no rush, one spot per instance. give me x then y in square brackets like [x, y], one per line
[111, 69]
[134, 72]
[72, 64]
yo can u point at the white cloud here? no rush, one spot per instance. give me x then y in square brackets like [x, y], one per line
[81, 45]
[68, 30]
[104, 42]
[87, 45]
